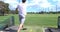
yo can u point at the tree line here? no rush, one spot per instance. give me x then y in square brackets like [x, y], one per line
[4, 9]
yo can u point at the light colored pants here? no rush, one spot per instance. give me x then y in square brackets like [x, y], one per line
[22, 19]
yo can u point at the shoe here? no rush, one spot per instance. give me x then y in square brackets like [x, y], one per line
[24, 28]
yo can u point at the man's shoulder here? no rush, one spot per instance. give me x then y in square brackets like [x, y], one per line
[19, 5]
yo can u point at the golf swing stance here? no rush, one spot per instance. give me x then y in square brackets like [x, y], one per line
[22, 13]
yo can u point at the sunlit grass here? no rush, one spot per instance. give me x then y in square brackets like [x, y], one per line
[33, 20]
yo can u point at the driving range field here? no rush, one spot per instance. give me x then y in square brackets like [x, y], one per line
[36, 22]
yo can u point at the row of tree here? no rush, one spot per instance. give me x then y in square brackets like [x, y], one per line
[44, 12]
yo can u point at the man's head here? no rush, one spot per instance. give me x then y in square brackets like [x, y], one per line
[23, 1]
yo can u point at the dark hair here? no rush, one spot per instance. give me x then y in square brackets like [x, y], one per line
[23, 1]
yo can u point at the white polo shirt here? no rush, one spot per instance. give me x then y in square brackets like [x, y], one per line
[22, 9]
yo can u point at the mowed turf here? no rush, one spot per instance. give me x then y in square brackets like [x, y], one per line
[3, 19]
[36, 22]
[39, 20]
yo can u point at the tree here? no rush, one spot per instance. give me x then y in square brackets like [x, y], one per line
[4, 7]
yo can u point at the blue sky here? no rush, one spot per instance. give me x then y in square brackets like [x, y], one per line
[36, 5]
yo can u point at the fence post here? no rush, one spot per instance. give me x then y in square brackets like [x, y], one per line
[58, 21]
[12, 21]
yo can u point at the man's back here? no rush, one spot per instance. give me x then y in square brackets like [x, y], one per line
[22, 8]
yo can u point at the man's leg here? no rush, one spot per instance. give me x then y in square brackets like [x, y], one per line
[22, 19]
[20, 27]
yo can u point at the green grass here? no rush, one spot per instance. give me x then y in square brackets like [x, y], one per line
[3, 21]
[3, 18]
[36, 20]
[39, 20]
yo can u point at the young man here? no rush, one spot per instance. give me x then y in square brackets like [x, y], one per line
[22, 13]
